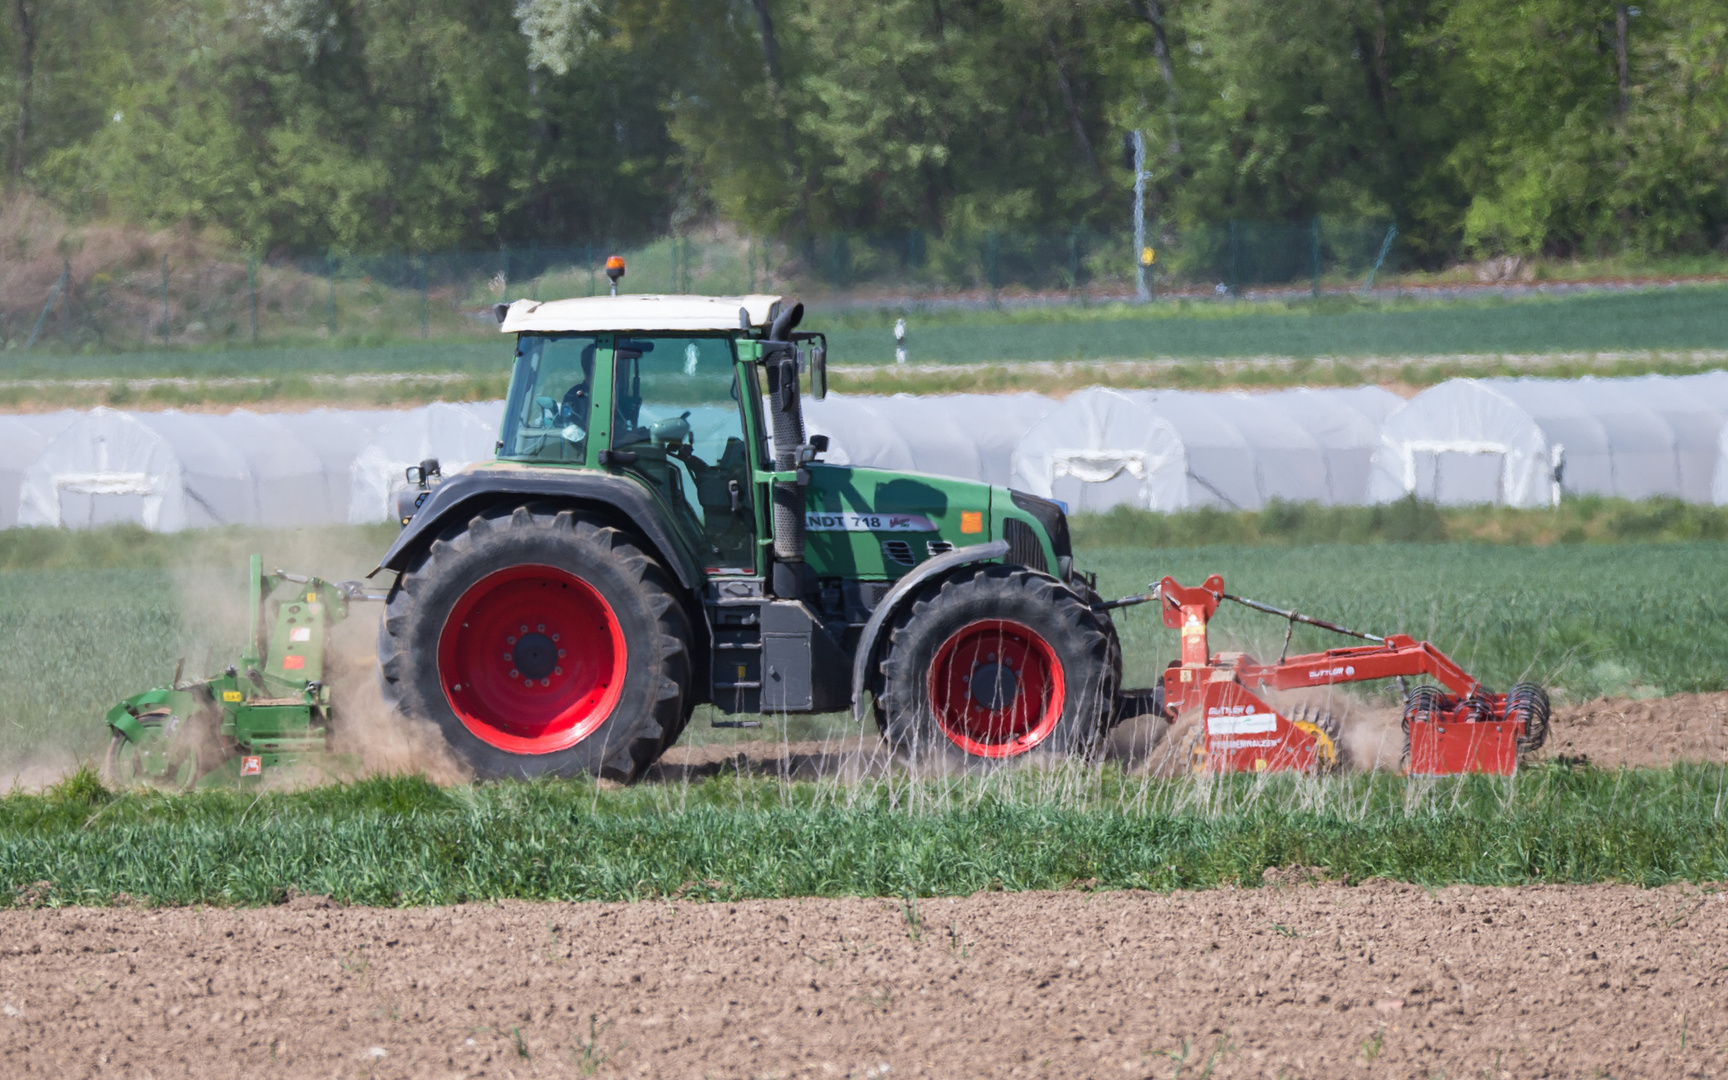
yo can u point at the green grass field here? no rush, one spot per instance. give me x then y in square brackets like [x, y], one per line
[1694, 317]
[87, 618]
[1691, 317]
[403, 841]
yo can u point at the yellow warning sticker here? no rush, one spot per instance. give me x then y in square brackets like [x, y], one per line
[230, 695]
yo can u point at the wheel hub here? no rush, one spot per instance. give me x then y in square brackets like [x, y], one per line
[535, 655]
[994, 686]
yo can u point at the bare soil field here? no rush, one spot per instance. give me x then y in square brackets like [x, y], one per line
[1293, 980]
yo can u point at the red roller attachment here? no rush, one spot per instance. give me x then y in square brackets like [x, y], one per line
[1457, 727]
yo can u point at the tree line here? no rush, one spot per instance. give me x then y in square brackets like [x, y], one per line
[1480, 126]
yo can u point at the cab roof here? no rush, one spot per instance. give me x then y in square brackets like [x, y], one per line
[636, 313]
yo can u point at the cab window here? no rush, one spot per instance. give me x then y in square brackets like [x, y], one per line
[551, 389]
[677, 408]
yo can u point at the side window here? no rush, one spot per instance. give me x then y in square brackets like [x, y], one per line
[678, 409]
[546, 416]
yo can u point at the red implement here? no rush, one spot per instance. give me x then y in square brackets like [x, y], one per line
[1457, 727]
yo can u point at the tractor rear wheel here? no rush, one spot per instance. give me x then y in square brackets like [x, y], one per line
[541, 643]
[996, 664]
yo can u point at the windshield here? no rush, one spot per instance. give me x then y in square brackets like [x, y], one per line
[546, 416]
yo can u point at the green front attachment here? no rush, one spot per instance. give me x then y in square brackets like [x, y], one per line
[268, 713]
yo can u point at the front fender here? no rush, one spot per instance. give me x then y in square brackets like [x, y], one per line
[466, 493]
[865, 658]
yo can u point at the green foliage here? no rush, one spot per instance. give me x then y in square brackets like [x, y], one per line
[401, 842]
[1480, 126]
[1560, 156]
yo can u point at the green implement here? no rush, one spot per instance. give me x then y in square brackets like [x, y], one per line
[266, 714]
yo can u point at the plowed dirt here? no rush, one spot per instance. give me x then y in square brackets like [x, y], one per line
[1286, 981]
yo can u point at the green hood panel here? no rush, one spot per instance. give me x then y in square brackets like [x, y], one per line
[871, 523]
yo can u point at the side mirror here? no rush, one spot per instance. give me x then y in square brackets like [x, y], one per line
[818, 372]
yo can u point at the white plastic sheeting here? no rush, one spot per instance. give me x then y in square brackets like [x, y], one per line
[22, 439]
[1176, 450]
[457, 435]
[170, 470]
[336, 437]
[1523, 442]
[969, 436]
[164, 471]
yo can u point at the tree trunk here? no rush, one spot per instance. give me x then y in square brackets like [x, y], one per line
[1071, 102]
[770, 43]
[26, 24]
[1161, 51]
[777, 97]
[1620, 20]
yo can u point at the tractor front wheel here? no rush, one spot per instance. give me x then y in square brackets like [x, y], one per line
[996, 664]
[542, 644]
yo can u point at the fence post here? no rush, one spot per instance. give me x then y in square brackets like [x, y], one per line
[1074, 260]
[252, 292]
[66, 304]
[1152, 263]
[588, 257]
[1141, 292]
[1314, 239]
[1234, 283]
[1385, 247]
[164, 299]
[425, 301]
[504, 269]
[330, 274]
[992, 263]
[41, 319]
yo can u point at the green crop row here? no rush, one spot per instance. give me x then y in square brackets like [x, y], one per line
[403, 841]
[1635, 321]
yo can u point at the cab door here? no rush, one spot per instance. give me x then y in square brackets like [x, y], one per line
[677, 423]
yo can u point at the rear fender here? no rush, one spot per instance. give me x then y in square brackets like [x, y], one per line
[466, 494]
[900, 595]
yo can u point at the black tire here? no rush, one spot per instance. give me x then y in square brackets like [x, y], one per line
[1041, 619]
[644, 645]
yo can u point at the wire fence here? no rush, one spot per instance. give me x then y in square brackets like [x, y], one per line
[70, 301]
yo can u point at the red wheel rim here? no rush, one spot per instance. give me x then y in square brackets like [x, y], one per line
[996, 688]
[532, 659]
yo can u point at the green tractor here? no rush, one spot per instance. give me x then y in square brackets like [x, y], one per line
[657, 533]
